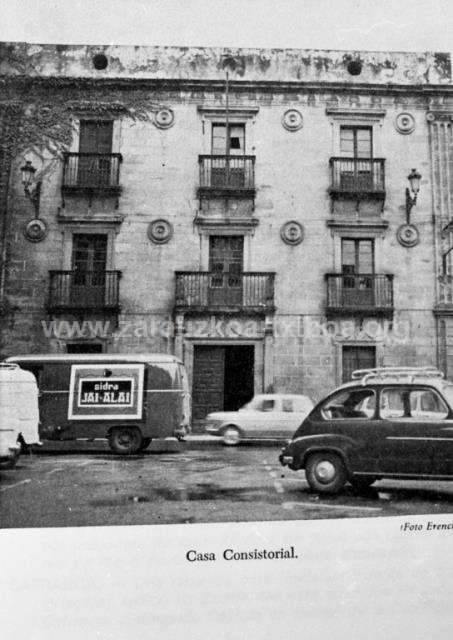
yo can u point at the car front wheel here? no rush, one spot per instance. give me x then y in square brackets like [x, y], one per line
[325, 472]
[231, 436]
[125, 440]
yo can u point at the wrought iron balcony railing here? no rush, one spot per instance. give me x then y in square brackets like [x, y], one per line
[204, 291]
[227, 175]
[79, 291]
[363, 294]
[92, 173]
[357, 177]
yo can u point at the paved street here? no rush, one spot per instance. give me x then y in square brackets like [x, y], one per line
[205, 484]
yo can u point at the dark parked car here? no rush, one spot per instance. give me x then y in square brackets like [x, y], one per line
[386, 423]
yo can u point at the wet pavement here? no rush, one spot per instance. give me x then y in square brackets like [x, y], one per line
[182, 483]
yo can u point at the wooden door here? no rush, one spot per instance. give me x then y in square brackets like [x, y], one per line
[226, 266]
[208, 380]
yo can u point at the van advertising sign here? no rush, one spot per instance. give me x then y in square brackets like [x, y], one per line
[106, 391]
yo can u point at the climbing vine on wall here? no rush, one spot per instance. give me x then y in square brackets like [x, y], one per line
[43, 112]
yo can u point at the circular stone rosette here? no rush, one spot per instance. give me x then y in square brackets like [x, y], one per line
[164, 118]
[404, 123]
[160, 231]
[292, 232]
[408, 235]
[292, 120]
[35, 230]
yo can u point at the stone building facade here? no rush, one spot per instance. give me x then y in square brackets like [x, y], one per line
[243, 209]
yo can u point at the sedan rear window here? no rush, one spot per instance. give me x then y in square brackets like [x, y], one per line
[354, 403]
[415, 404]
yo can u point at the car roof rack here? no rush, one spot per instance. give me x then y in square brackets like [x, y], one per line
[382, 373]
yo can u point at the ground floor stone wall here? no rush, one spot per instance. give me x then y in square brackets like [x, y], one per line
[293, 353]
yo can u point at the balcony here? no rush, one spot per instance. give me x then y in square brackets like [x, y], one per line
[203, 291]
[359, 294]
[91, 174]
[357, 178]
[222, 176]
[84, 292]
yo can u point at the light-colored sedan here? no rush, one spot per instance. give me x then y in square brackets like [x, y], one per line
[265, 417]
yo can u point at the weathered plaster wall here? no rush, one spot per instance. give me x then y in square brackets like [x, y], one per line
[201, 63]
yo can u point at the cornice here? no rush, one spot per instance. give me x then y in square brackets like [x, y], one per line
[235, 85]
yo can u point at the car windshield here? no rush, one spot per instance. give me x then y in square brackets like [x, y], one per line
[259, 404]
[447, 390]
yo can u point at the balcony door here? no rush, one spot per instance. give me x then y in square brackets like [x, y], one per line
[356, 151]
[228, 141]
[357, 267]
[226, 260]
[95, 148]
[89, 261]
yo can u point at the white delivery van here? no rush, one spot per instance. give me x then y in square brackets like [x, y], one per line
[19, 413]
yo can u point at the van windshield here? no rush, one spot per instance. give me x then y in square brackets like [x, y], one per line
[164, 375]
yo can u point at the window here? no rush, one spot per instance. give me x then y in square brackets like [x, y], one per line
[260, 404]
[89, 258]
[357, 256]
[356, 174]
[287, 405]
[84, 347]
[226, 257]
[95, 149]
[89, 252]
[95, 136]
[357, 357]
[356, 142]
[267, 405]
[417, 404]
[234, 171]
[357, 260]
[356, 403]
[232, 142]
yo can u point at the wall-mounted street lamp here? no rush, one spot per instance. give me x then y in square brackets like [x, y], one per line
[408, 234]
[28, 173]
[414, 180]
[35, 230]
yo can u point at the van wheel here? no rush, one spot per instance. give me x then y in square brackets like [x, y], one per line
[325, 472]
[145, 444]
[231, 436]
[125, 440]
